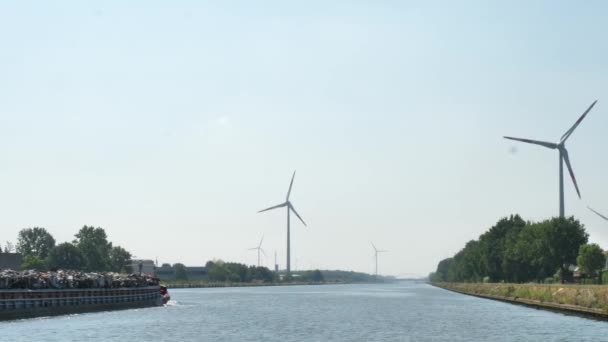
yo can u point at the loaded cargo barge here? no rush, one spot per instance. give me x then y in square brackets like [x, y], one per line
[31, 293]
[18, 304]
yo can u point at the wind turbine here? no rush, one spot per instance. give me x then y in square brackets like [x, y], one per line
[563, 157]
[259, 249]
[287, 204]
[598, 214]
[376, 252]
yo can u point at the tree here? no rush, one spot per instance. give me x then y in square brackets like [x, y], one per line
[316, 276]
[93, 242]
[180, 272]
[119, 260]
[516, 251]
[493, 246]
[66, 256]
[35, 242]
[33, 262]
[9, 247]
[591, 259]
[259, 273]
[442, 270]
[565, 235]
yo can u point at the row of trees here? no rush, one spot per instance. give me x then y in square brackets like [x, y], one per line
[514, 250]
[235, 272]
[89, 251]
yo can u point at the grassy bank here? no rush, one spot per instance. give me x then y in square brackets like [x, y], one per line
[588, 298]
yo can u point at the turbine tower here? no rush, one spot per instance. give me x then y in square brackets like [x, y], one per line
[598, 214]
[287, 204]
[259, 249]
[376, 252]
[563, 157]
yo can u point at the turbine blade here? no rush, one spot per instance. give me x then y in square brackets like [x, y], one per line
[535, 142]
[290, 185]
[251, 249]
[567, 160]
[578, 122]
[598, 214]
[375, 249]
[274, 207]
[261, 250]
[298, 215]
[260, 245]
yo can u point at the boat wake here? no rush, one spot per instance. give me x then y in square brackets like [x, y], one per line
[172, 303]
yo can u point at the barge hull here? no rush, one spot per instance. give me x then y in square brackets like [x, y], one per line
[40, 303]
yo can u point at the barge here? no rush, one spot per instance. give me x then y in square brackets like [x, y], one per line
[18, 304]
[34, 294]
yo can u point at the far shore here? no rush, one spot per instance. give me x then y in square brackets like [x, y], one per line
[185, 285]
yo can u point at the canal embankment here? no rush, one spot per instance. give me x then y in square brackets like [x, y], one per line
[586, 300]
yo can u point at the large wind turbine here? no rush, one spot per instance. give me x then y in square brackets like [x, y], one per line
[563, 157]
[287, 204]
[598, 214]
[376, 251]
[259, 249]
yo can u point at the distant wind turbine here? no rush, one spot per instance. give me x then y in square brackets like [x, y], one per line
[598, 214]
[376, 252]
[563, 157]
[259, 249]
[287, 204]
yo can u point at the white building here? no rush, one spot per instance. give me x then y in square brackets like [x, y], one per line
[143, 266]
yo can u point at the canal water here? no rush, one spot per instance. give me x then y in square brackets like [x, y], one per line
[387, 312]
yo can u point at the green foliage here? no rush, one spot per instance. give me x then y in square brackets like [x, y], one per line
[93, 242]
[337, 276]
[180, 272]
[591, 259]
[260, 274]
[516, 251]
[66, 256]
[313, 276]
[119, 260]
[442, 270]
[220, 271]
[33, 262]
[35, 242]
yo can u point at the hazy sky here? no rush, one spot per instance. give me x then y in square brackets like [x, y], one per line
[169, 124]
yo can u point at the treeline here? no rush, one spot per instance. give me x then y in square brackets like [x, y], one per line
[233, 272]
[90, 251]
[518, 251]
[338, 276]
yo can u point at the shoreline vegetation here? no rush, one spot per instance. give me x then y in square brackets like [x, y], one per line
[92, 252]
[547, 264]
[174, 284]
[518, 251]
[587, 300]
[312, 277]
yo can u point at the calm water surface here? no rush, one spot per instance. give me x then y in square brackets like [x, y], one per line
[393, 312]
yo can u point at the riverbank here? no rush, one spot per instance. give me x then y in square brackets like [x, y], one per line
[587, 300]
[187, 285]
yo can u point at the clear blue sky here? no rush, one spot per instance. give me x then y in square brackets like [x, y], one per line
[171, 124]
